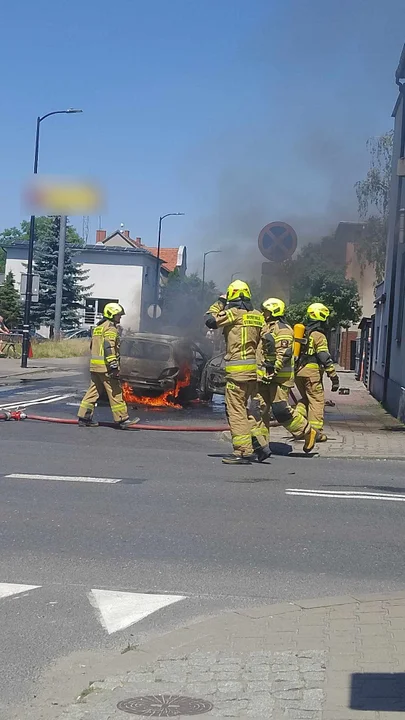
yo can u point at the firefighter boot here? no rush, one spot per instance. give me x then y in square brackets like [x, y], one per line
[238, 459]
[87, 422]
[321, 437]
[261, 453]
[128, 424]
[310, 440]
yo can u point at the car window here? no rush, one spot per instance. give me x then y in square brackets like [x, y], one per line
[217, 361]
[144, 350]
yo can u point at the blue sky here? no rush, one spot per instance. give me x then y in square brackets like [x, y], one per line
[236, 112]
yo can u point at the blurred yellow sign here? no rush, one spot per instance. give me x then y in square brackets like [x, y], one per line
[64, 197]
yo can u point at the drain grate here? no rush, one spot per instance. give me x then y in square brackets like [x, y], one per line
[164, 706]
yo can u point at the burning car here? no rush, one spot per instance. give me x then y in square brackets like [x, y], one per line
[160, 369]
[213, 377]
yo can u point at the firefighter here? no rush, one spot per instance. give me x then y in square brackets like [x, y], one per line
[104, 370]
[241, 326]
[275, 374]
[313, 362]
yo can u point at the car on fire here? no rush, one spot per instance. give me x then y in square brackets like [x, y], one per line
[213, 377]
[152, 364]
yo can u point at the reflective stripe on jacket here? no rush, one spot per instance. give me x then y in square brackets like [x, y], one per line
[242, 334]
[275, 352]
[105, 345]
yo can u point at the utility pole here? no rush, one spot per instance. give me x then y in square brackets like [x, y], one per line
[209, 252]
[59, 277]
[157, 277]
[28, 295]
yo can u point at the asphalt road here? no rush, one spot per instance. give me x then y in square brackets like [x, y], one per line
[179, 522]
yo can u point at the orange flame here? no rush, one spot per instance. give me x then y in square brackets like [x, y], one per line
[166, 399]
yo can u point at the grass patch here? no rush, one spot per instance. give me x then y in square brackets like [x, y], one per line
[61, 348]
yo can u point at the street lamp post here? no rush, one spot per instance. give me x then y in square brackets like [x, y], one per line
[162, 217]
[28, 296]
[209, 252]
[234, 275]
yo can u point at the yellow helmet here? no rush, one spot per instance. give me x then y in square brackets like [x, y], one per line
[238, 289]
[318, 311]
[112, 309]
[275, 306]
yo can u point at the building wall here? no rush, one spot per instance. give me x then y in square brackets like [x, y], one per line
[127, 276]
[364, 277]
[396, 378]
[347, 338]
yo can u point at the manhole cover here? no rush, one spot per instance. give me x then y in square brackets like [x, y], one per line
[164, 706]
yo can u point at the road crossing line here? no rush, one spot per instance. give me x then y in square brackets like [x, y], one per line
[64, 478]
[10, 589]
[40, 401]
[347, 494]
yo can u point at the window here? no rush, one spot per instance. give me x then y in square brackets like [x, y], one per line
[401, 299]
[144, 350]
[94, 309]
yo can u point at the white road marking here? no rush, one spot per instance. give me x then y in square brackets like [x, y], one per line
[117, 610]
[347, 494]
[40, 401]
[65, 478]
[9, 589]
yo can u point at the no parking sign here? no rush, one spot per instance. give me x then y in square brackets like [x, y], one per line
[277, 241]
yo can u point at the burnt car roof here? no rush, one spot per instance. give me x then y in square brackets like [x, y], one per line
[153, 337]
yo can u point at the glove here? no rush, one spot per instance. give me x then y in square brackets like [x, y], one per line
[267, 379]
[113, 370]
[335, 383]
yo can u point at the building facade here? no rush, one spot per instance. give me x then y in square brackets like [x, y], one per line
[119, 274]
[387, 382]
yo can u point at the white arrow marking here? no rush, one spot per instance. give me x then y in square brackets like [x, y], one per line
[9, 589]
[65, 478]
[347, 494]
[117, 610]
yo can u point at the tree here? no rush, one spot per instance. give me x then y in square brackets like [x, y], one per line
[335, 291]
[10, 304]
[373, 201]
[45, 264]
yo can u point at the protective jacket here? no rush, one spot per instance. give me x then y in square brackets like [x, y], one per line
[241, 325]
[275, 352]
[105, 348]
[315, 357]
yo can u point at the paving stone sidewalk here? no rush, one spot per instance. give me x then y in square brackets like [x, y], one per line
[336, 658]
[357, 426]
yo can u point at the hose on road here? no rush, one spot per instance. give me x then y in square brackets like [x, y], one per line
[19, 415]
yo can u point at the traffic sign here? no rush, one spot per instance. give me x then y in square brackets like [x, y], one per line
[154, 311]
[277, 241]
[35, 287]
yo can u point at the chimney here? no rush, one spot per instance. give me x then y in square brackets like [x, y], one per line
[126, 233]
[138, 242]
[101, 236]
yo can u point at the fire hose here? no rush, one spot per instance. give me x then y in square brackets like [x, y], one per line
[21, 415]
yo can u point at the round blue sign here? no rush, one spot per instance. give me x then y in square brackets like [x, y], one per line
[277, 241]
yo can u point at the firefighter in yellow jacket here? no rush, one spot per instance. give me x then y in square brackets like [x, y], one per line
[104, 370]
[275, 373]
[241, 325]
[313, 362]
